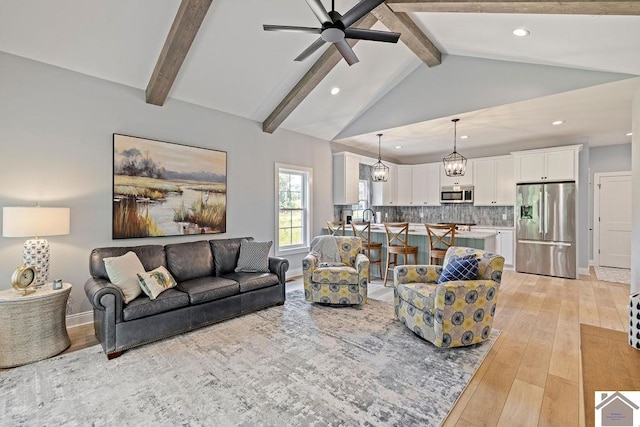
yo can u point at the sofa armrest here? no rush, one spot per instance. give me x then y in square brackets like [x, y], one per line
[105, 296]
[416, 274]
[279, 267]
[309, 264]
[362, 266]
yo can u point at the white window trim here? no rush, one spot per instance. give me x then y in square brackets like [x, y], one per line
[309, 219]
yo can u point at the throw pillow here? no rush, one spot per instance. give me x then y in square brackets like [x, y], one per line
[122, 271]
[459, 269]
[254, 257]
[156, 281]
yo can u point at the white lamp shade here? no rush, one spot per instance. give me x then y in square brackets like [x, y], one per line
[35, 221]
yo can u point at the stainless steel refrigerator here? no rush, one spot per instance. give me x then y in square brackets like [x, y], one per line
[546, 229]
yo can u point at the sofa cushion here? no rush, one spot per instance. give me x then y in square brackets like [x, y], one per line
[254, 257]
[252, 281]
[151, 256]
[122, 271]
[210, 288]
[225, 254]
[189, 260]
[156, 281]
[340, 275]
[143, 306]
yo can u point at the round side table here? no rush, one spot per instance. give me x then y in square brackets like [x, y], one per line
[33, 327]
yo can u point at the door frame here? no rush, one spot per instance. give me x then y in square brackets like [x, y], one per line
[596, 211]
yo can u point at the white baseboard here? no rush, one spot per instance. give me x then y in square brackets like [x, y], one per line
[79, 319]
[294, 273]
[584, 271]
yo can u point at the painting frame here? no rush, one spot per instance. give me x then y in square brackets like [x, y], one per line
[166, 189]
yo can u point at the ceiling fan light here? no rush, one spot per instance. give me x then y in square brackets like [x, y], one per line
[379, 171]
[455, 164]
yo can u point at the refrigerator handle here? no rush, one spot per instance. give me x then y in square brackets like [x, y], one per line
[546, 212]
[540, 213]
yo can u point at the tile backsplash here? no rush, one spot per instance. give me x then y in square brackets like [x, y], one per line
[458, 213]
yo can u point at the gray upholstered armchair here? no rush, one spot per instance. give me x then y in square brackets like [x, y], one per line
[344, 282]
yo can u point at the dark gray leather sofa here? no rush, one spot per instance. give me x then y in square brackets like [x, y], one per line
[208, 291]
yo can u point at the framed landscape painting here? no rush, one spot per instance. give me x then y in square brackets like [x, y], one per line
[165, 189]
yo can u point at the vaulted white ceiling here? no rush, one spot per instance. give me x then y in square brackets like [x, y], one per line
[236, 67]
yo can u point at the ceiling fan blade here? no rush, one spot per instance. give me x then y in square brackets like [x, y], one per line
[358, 11]
[318, 9]
[310, 50]
[375, 35]
[347, 53]
[293, 29]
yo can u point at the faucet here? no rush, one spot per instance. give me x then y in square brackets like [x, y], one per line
[373, 214]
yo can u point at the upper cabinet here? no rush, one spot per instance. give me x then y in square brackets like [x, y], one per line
[426, 184]
[384, 193]
[346, 173]
[404, 192]
[494, 181]
[551, 164]
[466, 179]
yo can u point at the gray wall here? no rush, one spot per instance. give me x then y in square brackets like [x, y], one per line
[56, 148]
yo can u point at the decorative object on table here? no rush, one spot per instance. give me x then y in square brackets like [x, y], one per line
[336, 28]
[23, 277]
[455, 164]
[35, 221]
[32, 327]
[165, 189]
[634, 320]
[245, 368]
[379, 171]
[336, 278]
[57, 285]
[453, 313]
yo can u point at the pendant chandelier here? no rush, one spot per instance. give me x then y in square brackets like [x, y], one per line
[454, 164]
[379, 171]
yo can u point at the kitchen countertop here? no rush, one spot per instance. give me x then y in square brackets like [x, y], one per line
[420, 230]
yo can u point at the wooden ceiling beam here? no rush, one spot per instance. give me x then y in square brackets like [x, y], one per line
[571, 7]
[318, 71]
[183, 31]
[410, 34]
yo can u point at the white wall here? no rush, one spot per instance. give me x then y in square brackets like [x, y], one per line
[56, 131]
[635, 177]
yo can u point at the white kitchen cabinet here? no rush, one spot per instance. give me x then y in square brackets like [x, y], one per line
[494, 181]
[426, 184]
[466, 179]
[346, 173]
[504, 244]
[404, 194]
[384, 193]
[551, 164]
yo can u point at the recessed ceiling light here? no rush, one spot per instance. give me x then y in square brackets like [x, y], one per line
[335, 90]
[398, 147]
[557, 122]
[629, 134]
[521, 32]
[464, 137]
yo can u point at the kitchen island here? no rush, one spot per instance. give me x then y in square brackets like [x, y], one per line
[485, 240]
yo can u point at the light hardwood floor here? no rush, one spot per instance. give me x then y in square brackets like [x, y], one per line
[532, 375]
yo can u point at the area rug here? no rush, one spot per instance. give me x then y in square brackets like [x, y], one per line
[609, 274]
[296, 364]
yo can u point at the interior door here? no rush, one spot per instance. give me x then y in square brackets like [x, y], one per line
[614, 197]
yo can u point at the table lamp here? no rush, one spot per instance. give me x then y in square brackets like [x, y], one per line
[35, 221]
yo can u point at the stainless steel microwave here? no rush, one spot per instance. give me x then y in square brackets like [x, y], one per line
[456, 194]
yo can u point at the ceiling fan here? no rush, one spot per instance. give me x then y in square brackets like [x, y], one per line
[335, 29]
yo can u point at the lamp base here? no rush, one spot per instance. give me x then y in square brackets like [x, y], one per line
[36, 254]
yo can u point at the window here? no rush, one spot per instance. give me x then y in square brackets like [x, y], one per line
[293, 216]
[363, 199]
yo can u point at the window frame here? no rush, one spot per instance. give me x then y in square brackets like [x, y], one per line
[307, 174]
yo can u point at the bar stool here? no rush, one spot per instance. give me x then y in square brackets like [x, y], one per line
[398, 244]
[363, 231]
[336, 228]
[441, 238]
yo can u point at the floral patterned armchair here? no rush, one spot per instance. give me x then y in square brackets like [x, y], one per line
[454, 313]
[344, 284]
